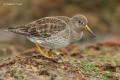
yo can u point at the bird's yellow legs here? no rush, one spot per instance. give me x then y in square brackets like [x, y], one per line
[51, 53]
[40, 50]
[46, 53]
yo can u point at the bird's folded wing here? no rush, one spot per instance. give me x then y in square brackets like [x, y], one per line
[46, 27]
[64, 18]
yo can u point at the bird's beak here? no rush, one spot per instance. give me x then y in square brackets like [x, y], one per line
[89, 30]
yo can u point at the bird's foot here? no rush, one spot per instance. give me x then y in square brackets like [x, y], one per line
[51, 54]
[41, 51]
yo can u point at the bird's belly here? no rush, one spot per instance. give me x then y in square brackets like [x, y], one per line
[56, 43]
[52, 43]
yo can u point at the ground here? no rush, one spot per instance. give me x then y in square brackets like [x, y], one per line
[98, 61]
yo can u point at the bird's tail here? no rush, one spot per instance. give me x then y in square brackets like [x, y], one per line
[4, 28]
[18, 30]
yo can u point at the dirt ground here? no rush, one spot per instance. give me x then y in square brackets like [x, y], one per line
[98, 61]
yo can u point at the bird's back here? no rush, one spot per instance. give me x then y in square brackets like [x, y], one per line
[44, 27]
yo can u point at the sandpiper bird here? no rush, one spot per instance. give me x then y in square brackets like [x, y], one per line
[54, 32]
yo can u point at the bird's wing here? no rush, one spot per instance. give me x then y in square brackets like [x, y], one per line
[43, 27]
[64, 18]
[23, 30]
[46, 27]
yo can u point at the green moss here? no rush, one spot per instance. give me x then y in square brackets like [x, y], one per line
[17, 73]
[105, 78]
[89, 68]
[89, 65]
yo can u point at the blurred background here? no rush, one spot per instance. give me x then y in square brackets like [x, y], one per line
[103, 17]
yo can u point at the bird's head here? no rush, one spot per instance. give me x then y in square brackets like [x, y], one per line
[79, 24]
[78, 21]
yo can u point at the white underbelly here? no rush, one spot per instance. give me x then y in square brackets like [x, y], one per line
[52, 43]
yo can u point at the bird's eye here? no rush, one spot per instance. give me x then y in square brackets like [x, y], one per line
[80, 22]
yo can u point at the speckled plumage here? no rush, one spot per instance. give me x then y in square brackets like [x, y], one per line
[53, 32]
